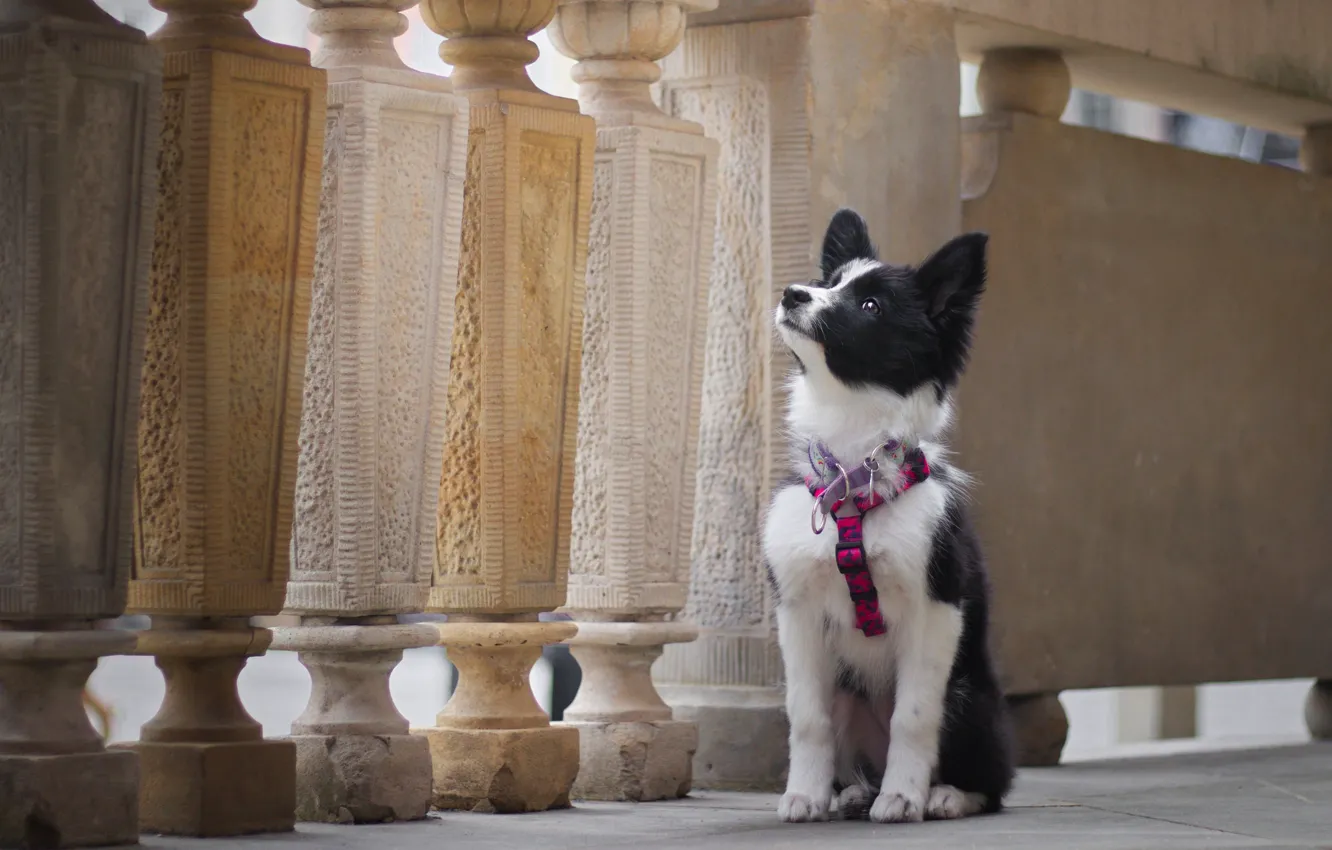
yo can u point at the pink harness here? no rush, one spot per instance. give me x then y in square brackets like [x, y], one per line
[848, 507]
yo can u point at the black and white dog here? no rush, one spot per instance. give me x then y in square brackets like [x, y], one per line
[882, 596]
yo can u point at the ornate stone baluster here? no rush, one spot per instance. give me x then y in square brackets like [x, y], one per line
[243, 128]
[649, 266]
[372, 427]
[508, 468]
[803, 130]
[79, 106]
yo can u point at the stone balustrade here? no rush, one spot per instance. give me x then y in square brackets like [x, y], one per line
[540, 377]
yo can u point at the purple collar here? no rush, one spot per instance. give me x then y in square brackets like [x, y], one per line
[836, 482]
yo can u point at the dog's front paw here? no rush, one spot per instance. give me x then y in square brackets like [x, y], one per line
[948, 803]
[898, 807]
[802, 808]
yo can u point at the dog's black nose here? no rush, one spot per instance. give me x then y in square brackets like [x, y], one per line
[795, 294]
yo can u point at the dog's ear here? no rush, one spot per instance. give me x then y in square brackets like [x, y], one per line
[847, 239]
[953, 279]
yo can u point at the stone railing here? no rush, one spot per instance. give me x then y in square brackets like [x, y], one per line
[212, 204]
[540, 377]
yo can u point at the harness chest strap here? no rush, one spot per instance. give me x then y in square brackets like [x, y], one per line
[849, 514]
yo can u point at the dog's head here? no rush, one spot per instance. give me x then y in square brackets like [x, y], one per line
[876, 325]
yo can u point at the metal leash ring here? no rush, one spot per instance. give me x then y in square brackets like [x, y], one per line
[816, 513]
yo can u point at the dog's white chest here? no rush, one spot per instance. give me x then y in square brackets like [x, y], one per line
[898, 536]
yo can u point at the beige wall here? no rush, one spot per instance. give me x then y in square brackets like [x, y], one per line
[1148, 409]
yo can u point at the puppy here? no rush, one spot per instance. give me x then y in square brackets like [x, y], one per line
[882, 596]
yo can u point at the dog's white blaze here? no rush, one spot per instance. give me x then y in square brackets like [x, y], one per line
[855, 269]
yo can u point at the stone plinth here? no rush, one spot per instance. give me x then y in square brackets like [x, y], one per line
[79, 104]
[631, 747]
[206, 769]
[372, 426]
[59, 786]
[355, 761]
[649, 266]
[243, 128]
[492, 747]
[506, 491]
[803, 131]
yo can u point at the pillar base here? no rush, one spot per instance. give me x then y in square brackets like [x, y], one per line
[355, 761]
[1040, 728]
[361, 778]
[742, 735]
[81, 800]
[1318, 710]
[503, 771]
[635, 762]
[210, 790]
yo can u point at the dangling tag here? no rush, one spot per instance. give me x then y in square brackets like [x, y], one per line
[822, 462]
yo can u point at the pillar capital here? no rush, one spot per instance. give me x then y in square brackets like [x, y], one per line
[358, 33]
[487, 41]
[618, 44]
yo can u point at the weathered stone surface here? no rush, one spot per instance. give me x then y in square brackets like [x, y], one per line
[215, 789]
[503, 771]
[79, 101]
[1147, 581]
[229, 298]
[381, 322]
[513, 400]
[1040, 728]
[742, 735]
[362, 778]
[73, 800]
[635, 761]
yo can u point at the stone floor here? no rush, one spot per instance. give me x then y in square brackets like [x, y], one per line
[1273, 798]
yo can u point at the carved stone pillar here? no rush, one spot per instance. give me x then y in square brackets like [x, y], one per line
[508, 469]
[79, 104]
[1035, 81]
[372, 423]
[229, 295]
[649, 265]
[803, 130]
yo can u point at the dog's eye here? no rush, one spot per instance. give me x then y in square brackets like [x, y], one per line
[869, 305]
